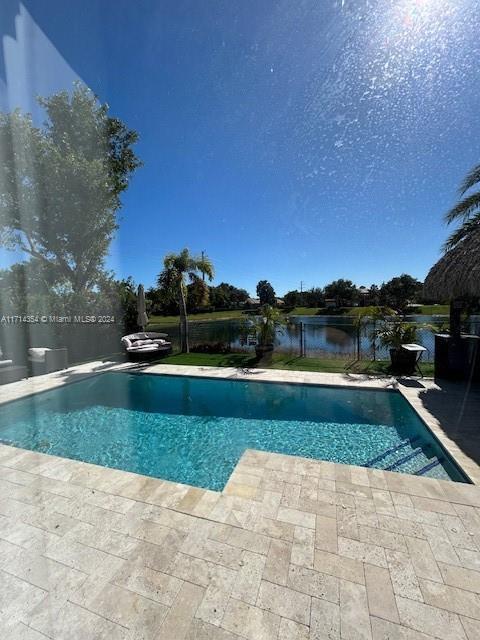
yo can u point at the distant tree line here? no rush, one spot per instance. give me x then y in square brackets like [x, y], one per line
[397, 293]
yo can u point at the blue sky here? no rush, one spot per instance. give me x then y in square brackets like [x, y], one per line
[290, 141]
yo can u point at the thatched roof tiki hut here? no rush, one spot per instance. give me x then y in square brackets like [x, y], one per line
[456, 277]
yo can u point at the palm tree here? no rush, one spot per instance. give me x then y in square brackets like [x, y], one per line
[467, 211]
[177, 268]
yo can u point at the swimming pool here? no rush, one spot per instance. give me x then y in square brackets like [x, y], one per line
[194, 430]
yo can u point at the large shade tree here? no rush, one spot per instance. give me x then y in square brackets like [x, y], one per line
[344, 292]
[60, 185]
[266, 293]
[178, 270]
[400, 291]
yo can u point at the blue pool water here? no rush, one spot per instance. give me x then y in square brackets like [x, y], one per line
[194, 430]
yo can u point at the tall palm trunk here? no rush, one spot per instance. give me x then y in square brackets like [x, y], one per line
[183, 321]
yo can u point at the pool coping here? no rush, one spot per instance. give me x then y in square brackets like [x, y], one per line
[411, 394]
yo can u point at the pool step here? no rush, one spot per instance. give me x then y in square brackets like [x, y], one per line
[405, 459]
[430, 466]
[402, 445]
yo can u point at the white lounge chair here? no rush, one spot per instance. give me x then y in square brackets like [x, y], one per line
[146, 343]
[44, 360]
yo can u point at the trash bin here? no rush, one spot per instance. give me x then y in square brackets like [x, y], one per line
[457, 358]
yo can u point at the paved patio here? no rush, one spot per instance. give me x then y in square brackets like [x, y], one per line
[292, 549]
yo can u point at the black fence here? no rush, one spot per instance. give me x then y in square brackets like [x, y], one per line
[326, 337]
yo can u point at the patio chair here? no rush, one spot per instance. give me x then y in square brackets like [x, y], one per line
[45, 360]
[146, 343]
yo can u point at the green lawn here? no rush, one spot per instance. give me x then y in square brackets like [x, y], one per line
[435, 309]
[284, 361]
[154, 321]
[162, 321]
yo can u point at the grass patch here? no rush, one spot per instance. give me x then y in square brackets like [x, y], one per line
[162, 321]
[235, 314]
[285, 361]
[434, 309]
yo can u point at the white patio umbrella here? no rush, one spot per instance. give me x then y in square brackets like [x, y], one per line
[142, 318]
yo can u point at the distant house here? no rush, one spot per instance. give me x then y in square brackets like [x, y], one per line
[252, 302]
[330, 303]
[280, 302]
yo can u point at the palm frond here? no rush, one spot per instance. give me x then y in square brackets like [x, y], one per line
[467, 229]
[205, 265]
[470, 180]
[464, 209]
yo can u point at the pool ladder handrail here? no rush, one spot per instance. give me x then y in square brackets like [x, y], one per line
[383, 455]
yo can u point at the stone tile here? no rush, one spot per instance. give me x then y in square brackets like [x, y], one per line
[182, 612]
[442, 548]
[284, 602]
[430, 620]
[353, 489]
[78, 556]
[383, 502]
[278, 562]
[110, 502]
[347, 524]
[248, 540]
[469, 559]
[418, 515]
[213, 605]
[457, 533]
[290, 630]
[42, 572]
[18, 598]
[423, 561]
[214, 551]
[273, 528]
[362, 551]
[313, 583]
[385, 630]
[200, 630]
[404, 527]
[158, 557]
[250, 622]
[155, 585]
[324, 620]
[471, 627]
[402, 573]
[460, 577]
[339, 566]
[381, 600]
[456, 600]
[248, 578]
[303, 548]
[20, 631]
[291, 495]
[354, 614]
[437, 506]
[382, 538]
[326, 534]
[293, 516]
[85, 624]
[129, 610]
[202, 572]
[241, 490]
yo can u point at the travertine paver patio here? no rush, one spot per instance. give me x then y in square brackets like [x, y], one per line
[292, 549]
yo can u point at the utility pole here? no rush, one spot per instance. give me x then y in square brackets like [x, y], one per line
[203, 272]
[301, 286]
